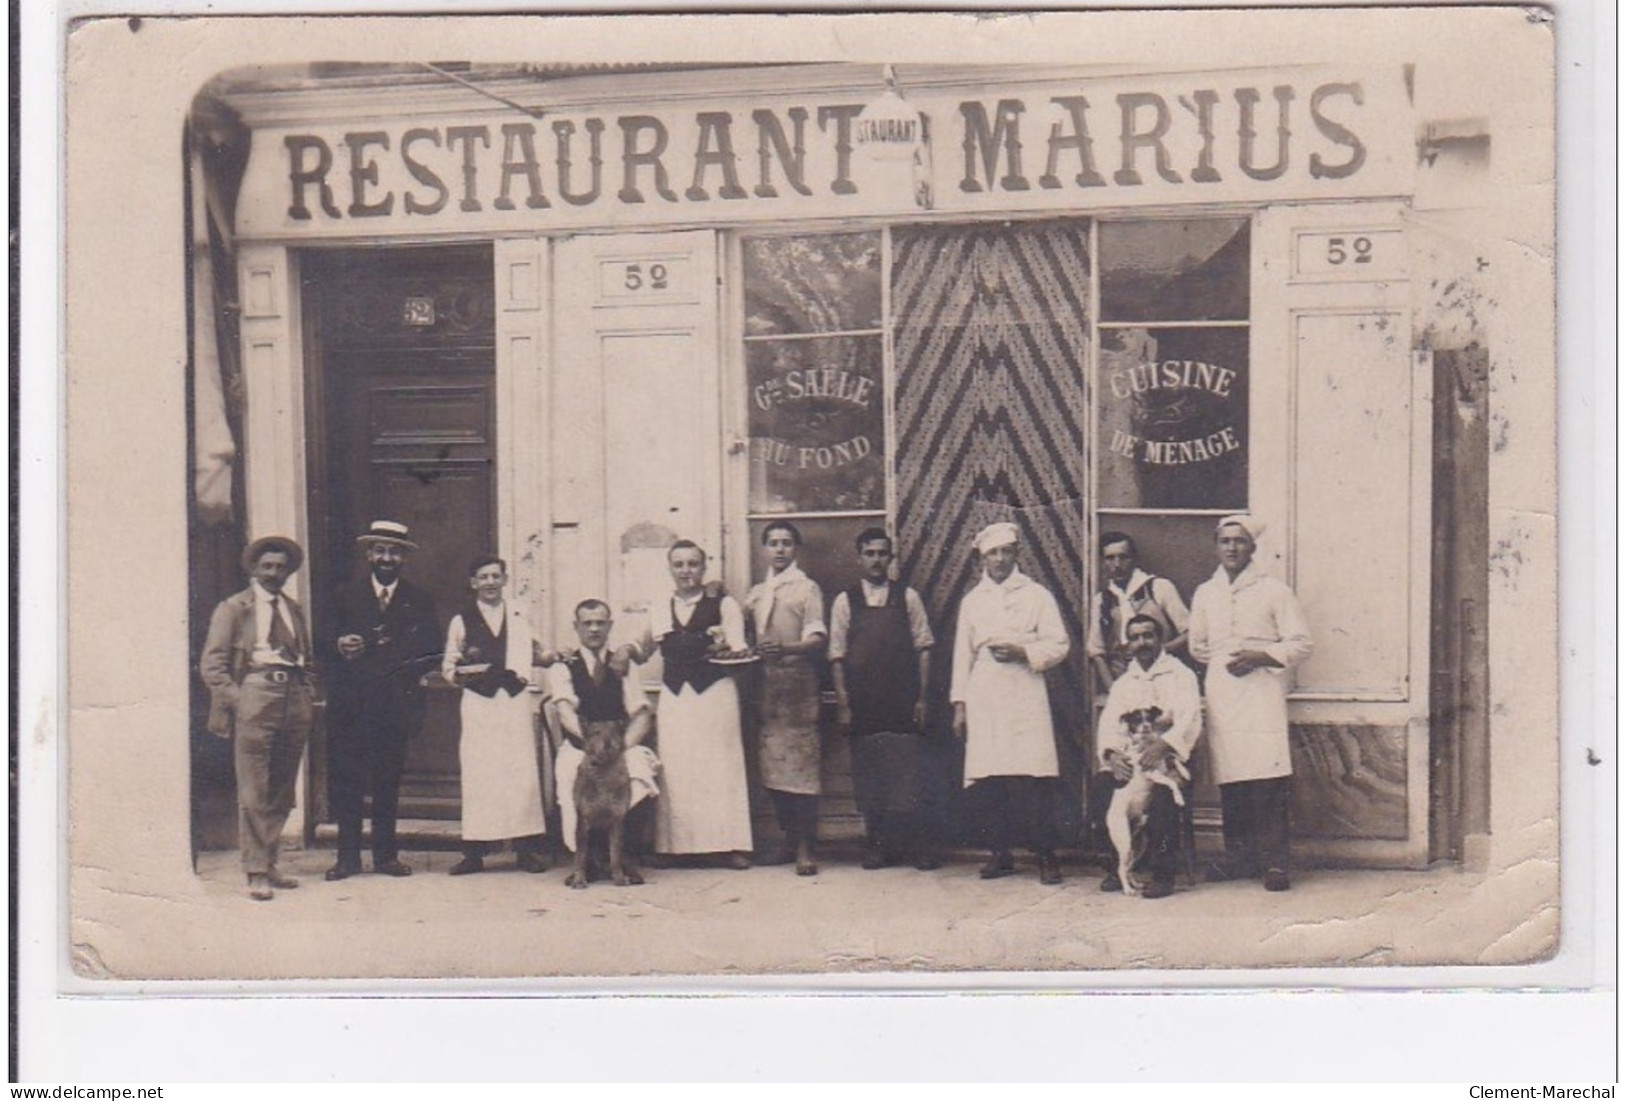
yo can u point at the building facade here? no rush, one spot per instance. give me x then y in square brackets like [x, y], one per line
[573, 315]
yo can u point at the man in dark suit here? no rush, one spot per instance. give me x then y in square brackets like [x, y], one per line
[256, 662]
[386, 637]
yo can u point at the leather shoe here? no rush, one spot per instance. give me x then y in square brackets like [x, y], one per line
[396, 868]
[344, 869]
[259, 888]
[807, 866]
[1049, 869]
[468, 865]
[1111, 883]
[1276, 880]
[281, 881]
[928, 863]
[739, 862]
[1001, 865]
[1158, 888]
[531, 862]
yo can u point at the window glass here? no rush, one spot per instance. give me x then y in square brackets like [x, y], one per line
[817, 425]
[1175, 270]
[1173, 418]
[816, 284]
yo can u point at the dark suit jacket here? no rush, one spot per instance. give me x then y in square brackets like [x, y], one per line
[402, 644]
[229, 649]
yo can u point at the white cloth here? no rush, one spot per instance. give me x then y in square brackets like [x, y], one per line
[705, 806]
[1169, 685]
[876, 596]
[1253, 526]
[1163, 593]
[501, 779]
[794, 589]
[1247, 716]
[641, 765]
[1009, 730]
[1001, 534]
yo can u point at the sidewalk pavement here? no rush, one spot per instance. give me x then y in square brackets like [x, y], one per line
[846, 921]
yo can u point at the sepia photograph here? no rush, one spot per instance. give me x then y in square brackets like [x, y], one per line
[626, 501]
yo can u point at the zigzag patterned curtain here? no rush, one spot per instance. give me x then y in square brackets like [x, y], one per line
[991, 330]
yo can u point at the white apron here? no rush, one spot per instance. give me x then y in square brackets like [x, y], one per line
[1007, 718]
[1009, 731]
[1247, 716]
[496, 752]
[1247, 724]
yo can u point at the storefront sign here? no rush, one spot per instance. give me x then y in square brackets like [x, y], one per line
[817, 431]
[1290, 134]
[1174, 425]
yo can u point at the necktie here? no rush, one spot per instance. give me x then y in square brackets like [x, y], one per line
[383, 601]
[280, 638]
[598, 674]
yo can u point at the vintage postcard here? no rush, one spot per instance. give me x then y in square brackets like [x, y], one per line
[889, 499]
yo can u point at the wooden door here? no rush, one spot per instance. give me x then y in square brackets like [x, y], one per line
[404, 365]
[638, 455]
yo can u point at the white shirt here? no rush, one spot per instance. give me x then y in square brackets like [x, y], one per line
[1163, 594]
[795, 588]
[1168, 685]
[876, 596]
[561, 685]
[1252, 612]
[1016, 610]
[263, 654]
[378, 590]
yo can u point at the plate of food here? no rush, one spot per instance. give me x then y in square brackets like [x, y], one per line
[735, 657]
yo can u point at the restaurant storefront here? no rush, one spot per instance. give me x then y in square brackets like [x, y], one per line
[575, 316]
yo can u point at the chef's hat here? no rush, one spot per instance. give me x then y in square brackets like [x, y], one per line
[1253, 526]
[997, 535]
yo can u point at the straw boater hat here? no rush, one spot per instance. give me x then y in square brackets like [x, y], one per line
[252, 552]
[387, 531]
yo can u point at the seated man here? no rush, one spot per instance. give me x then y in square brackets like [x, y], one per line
[1153, 680]
[585, 686]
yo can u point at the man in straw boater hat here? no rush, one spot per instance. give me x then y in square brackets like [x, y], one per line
[256, 662]
[1010, 632]
[385, 637]
[1250, 631]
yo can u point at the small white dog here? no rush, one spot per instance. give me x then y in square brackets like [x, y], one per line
[1125, 818]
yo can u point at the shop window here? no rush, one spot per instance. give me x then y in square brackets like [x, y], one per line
[815, 374]
[1172, 386]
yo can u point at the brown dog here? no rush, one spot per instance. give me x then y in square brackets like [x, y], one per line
[603, 794]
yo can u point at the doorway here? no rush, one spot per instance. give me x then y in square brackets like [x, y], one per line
[400, 353]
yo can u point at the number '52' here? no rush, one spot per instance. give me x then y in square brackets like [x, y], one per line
[1337, 250]
[657, 277]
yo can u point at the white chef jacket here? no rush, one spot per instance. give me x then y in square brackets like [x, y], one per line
[1247, 716]
[1168, 684]
[1009, 730]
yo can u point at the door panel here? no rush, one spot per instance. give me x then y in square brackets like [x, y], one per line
[404, 348]
[638, 455]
